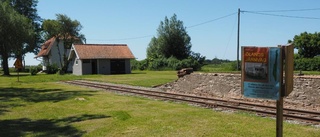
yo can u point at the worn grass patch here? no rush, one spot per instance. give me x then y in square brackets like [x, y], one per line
[40, 106]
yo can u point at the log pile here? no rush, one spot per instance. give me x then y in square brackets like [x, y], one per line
[184, 71]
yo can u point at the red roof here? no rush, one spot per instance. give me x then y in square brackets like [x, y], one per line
[103, 51]
[46, 47]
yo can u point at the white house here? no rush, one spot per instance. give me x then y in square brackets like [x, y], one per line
[53, 52]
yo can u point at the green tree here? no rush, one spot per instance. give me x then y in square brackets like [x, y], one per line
[65, 29]
[15, 30]
[173, 40]
[28, 9]
[308, 44]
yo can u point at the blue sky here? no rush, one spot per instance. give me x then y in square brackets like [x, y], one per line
[135, 22]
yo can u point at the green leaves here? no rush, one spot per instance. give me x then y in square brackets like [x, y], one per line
[308, 44]
[173, 40]
[173, 44]
[16, 33]
[63, 27]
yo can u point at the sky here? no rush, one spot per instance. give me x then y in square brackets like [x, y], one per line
[211, 24]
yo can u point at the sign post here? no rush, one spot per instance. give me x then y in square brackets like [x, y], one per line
[18, 65]
[262, 76]
[279, 117]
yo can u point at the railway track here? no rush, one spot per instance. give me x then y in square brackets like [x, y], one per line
[303, 116]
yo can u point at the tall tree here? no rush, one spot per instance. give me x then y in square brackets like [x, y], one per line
[308, 44]
[15, 31]
[65, 29]
[28, 9]
[173, 40]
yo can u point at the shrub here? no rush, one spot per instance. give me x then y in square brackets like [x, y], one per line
[174, 63]
[143, 64]
[33, 70]
[158, 64]
[165, 64]
[134, 64]
[233, 66]
[52, 69]
[307, 64]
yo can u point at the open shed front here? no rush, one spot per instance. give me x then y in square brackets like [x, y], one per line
[106, 66]
[117, 66]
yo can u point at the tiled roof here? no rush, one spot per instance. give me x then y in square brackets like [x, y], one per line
[103, 51]
[45, 48]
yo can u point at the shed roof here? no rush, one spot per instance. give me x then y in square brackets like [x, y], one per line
[103, 51]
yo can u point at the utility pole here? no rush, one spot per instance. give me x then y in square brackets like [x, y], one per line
[238, 45]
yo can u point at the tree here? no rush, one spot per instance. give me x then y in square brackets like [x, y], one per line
[65, 29]
[28, 9]
[15, 31]
[173, 40]
[308, 44]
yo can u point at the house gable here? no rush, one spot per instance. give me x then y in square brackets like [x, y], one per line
[53, 51]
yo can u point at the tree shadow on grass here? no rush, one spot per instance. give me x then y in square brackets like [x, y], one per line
[13, 97]
[15, 74]
[40, 95]
[44, 127]
[138, 73]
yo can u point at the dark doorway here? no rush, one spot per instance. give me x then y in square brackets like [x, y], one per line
[94, 66]
[118, 66]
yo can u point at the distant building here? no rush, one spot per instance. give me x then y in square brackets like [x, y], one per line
[50, 53]
[100, 59]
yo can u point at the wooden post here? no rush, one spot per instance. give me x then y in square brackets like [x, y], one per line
[279, 117]
[18, 75]
[238, 40]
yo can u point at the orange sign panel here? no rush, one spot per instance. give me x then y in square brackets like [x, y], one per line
[18, 64]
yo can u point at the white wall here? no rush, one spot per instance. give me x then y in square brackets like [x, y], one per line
[54, 57]
[77, 69]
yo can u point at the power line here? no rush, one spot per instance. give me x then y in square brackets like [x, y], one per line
[279, 15]
[212, 20]
[235, 22]
[131, 38]
[293, 10]
[140, 37]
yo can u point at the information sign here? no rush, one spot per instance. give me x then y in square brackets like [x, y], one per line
[261, 67]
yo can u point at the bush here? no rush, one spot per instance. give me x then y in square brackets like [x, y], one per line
[174, 63]
[233, 66]
[33, 70]
[52, 69]
[134, 64]
[166, 64]
[307, 64]
[143, 64]
[158, 64]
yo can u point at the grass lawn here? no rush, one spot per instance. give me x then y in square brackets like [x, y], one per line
[40, 106]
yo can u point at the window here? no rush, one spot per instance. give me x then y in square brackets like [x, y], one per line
[76, 61]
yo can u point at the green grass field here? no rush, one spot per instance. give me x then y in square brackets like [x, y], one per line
[41, 106]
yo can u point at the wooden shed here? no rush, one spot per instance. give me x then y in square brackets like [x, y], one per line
[100, 59]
